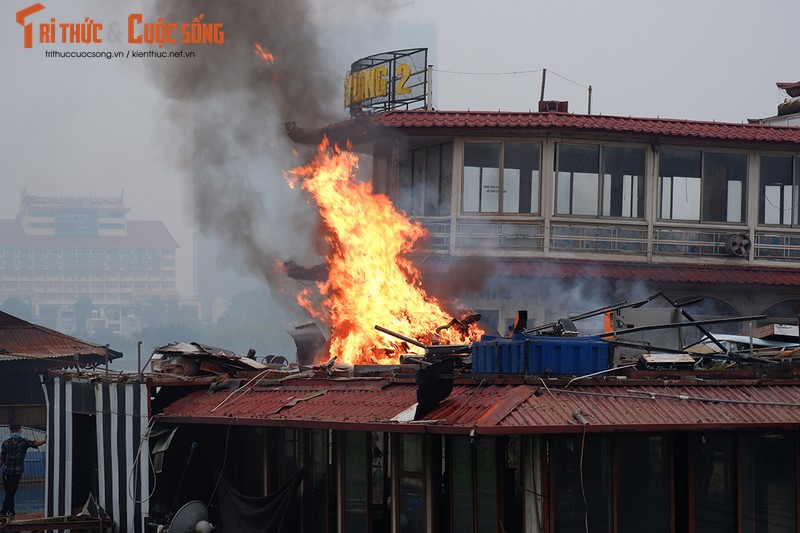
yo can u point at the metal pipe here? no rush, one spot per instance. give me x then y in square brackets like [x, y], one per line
[139, 359]
[684, 324]
[600, 311]
[544, 77]
[429, 88]
[693, 323]
[401, 337]
[590, 101]
[606, 371]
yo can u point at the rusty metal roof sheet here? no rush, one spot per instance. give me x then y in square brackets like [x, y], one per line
[22, 340]
[503, 409]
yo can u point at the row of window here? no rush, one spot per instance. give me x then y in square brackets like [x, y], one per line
[83, 285]
[42, 264]
[596, 180]
[624, 483]
[8, 250]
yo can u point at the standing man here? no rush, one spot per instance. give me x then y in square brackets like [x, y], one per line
[12, 460]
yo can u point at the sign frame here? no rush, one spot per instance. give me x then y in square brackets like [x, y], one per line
[387, 81]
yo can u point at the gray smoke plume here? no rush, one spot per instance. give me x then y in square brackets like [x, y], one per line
[227, 112]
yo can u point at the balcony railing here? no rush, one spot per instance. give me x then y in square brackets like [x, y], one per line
[617, 239]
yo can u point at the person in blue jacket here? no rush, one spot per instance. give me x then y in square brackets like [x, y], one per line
[12, 461]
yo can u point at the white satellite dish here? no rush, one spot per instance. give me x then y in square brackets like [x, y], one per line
[188, 517]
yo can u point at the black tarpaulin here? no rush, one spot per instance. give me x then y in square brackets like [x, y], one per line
[274, 513]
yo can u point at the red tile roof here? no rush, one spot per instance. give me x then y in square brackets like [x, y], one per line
[591, 123]
[141, 234]
[482, 122]
[23, 340]
[502, 409]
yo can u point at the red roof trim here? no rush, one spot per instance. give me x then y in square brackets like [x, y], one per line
[592, 123]
[557, 268]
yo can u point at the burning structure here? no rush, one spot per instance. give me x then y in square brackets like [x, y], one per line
[541, 430]
[474, 432]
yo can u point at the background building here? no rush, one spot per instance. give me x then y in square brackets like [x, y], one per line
[63, 250]
[215, 281]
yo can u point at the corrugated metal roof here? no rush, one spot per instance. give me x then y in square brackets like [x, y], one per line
[22, 340]
[505, 409]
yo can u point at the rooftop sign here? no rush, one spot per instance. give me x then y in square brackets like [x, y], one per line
[386, 81]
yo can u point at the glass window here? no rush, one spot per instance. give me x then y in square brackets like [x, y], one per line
[355, 480]
[317, 487]
[577, 179]
[461, 483]
[779, 190]
[703, 186]
[714, 457]
[475, 482]
[438, 179]
[486, 483]
[521, 178]
[485, 176]
[582, 484]
[623, 182]
[724, 177]
[482, 177]
[643, 485]
[411, 490]
[426, 177]
[679, 185]
[769, 486]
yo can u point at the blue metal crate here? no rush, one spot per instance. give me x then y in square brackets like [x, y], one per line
[523, 354]
[567, 355]
[506, 356]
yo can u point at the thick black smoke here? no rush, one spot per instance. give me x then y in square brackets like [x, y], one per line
[227, 109]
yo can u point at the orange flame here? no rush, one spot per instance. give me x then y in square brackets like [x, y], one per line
[371, 281]
[263, 53]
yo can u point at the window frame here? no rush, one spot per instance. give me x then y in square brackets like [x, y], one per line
[703, 187]
[413, 183]
[639, 201]
[794, 215]
[500, 212]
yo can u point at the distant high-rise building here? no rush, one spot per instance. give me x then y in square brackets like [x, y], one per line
[215, 282]
[60, 250]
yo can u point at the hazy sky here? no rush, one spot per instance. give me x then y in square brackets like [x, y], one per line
[96, 127]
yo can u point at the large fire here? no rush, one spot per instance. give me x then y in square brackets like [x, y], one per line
[371, 281]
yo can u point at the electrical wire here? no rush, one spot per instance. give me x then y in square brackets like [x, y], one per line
[458, 411]
[224, 461]
[509, 73]
[135, 466]
[583, 489]
[254, 378]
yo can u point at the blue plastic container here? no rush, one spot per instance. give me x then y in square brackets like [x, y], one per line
[567, 355]
[506, 356]
[524, 354]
